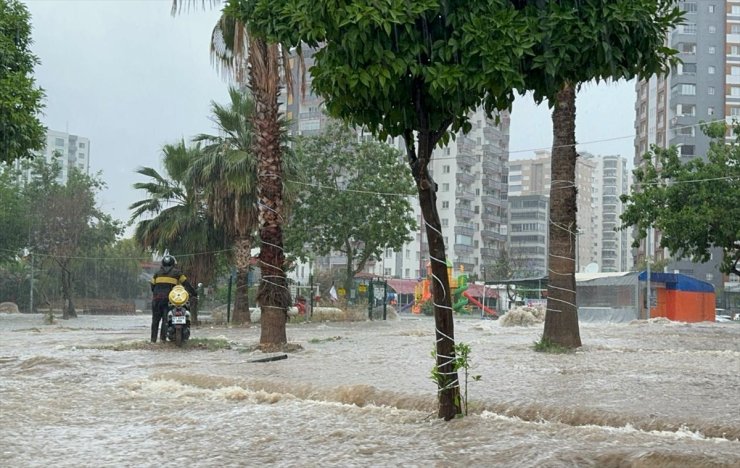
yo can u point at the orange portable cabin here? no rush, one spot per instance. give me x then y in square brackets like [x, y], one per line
[680, 297]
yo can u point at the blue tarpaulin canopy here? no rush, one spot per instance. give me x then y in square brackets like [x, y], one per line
[678, 282]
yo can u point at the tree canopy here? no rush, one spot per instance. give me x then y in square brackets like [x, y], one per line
[21, 132]
[693, 204]
[65, 220]
[375, 55]
[578, 42]
[355, 200]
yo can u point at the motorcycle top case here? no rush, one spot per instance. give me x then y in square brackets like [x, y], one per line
[178, 295]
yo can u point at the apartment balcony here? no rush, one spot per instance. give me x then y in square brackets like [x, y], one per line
[465, 178]
[466, 159]
[490, 167]
[464, 213]
[493, 236]
[465, 229]
[463, 249]
[467, 260]
[462, 194]
[492, 218]
[490, 200]
[489, 253]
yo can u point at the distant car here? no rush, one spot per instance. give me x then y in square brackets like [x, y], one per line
[722, 318]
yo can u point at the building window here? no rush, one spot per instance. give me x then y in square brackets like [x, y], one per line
[711, 69]
[445, 204]
[735, 70]
[686, 48]
[687, 150]
[387, 272]
[710, 90]
[686, 110]
[735, 50]
[59, 141]
[712, 29]
[445, 223]
[445, 169]
[687, 69]
[684, 89]
[688, 7]
[735, 10]
[735, 91]
[712, 49]
[686, 131]
[710, 110]
[82, 145]
[735, 111]
[687, 28]
[735, 28]
[388, 253]
[710, 9]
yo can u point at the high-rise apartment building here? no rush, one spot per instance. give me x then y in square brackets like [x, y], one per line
[528, 240]
[531, 176]
[611, 246]
[704, 87]
[72, 150]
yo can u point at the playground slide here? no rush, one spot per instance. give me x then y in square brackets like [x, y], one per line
[473, 300]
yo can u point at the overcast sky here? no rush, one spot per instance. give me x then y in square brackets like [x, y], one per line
[130, 77]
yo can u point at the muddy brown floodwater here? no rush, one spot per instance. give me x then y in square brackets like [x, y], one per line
[646, 394]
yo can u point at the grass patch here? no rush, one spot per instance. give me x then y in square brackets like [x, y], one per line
[545, 345]
[207, 344]
[210, 344]
[324, 340]
[284, 348]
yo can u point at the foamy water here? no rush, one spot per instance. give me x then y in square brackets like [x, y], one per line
[359, 394]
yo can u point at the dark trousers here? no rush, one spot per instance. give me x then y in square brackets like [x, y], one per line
[159, 314]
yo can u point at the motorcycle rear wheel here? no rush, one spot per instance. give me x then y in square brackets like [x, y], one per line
[178, 336]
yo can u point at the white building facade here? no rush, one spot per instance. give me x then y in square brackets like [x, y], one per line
[72, 150]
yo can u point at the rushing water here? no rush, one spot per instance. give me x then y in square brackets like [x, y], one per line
[647, 394]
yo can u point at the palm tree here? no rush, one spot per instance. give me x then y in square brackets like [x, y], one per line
[180, 223]
[226, 173]
[266, 66]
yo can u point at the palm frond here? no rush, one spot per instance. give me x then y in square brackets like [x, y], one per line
[179, 5]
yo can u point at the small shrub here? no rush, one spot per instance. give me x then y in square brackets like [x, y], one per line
[545, 345]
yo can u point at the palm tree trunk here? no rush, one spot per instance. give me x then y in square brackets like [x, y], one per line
[273, 294]
[242, 248]
[561, 320]
[448, 385]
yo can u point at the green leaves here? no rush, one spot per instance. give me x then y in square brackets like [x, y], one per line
[693, 204]
[21, 132]
[354, 200]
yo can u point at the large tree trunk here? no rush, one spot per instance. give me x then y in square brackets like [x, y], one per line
[273, 294]
[449, 385]
[242, 248]
[561, 319]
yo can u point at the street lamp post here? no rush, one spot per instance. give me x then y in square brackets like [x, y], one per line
[483, 273]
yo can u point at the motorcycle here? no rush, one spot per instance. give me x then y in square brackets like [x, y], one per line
[178, 315]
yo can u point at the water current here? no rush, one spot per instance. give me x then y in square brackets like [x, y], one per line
[645, 394]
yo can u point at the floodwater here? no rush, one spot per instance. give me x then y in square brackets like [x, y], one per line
[647, 394]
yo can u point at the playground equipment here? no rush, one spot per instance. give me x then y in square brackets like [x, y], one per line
[458, 285]
[477, 303]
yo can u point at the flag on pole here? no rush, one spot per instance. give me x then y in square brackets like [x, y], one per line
[333, 293]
